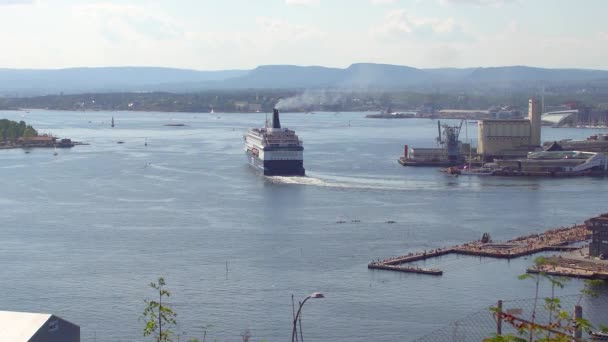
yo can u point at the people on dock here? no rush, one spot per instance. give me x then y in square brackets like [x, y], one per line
[516, 247]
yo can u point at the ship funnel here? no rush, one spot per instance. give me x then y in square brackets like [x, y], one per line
[276, 123]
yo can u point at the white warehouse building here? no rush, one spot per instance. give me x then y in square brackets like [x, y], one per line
[510, 138]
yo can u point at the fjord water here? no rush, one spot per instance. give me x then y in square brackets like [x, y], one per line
[84, 232]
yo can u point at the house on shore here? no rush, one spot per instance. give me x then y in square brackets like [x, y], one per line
[39, 141]
[36, 327]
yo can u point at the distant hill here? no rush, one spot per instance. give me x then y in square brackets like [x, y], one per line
[530, 74]
[286, 76]
[383, 75]
[23, 82]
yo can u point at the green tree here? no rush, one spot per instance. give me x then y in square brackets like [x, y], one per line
[29, 132]
[560, 321]
[10, 131]
[160, 318]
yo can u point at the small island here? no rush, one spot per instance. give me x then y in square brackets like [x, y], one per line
[15, 134]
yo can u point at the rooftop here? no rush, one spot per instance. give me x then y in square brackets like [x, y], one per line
[40, 138]
[553, 155]
[20, 326]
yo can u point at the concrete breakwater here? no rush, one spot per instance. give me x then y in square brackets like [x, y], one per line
[551, 240]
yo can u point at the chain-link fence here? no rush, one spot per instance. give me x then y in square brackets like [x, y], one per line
[483, 324]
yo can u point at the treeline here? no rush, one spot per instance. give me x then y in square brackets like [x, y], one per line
[248, 101]
[219, 101]
[10, 131]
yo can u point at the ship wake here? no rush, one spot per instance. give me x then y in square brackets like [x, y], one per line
[362, 183]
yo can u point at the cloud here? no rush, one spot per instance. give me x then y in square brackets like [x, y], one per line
[475, 2]
[382, 2]
[16, 2]
[399, 24]
[302, 2]
[282, 30]
[129, 22]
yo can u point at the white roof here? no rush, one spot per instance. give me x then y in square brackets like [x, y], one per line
[20, 326]
[558, 116]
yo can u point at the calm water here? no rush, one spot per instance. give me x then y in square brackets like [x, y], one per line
[84, 232]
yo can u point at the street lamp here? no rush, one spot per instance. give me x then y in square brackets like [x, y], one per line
[295, 319]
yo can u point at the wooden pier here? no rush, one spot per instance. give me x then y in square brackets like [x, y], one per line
[406, 269]
[574, 268]
[556, 240]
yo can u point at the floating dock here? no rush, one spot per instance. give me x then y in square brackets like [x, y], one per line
[557, 240]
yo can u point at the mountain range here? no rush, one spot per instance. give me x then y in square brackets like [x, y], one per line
[30, 82]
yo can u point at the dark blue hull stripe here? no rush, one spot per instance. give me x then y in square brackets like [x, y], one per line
[277, 167]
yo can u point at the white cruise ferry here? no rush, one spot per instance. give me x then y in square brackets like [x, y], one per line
[275, 151]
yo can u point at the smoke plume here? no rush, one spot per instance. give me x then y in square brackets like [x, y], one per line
[310, 100]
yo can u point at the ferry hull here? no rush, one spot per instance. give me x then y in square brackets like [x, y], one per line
[277, 167]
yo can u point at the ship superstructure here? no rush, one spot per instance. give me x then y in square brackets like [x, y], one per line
[275, 151]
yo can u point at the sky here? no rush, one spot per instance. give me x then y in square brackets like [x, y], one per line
[243, 34]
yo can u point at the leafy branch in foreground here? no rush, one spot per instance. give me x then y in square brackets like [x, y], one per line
[562, 324]
[160, 318]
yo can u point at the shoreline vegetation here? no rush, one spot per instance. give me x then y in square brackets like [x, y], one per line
[15, 134]
[11, 131]
[294, 100]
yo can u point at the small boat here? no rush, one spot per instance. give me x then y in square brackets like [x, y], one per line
[112, 121]
[120, 142]
[27, 151]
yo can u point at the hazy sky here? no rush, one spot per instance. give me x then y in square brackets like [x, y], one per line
[239, 34]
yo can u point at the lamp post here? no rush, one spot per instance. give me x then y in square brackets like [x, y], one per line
[295, 319]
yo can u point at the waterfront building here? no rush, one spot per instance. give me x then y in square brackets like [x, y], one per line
[36, 327]
[595, 143]
[427, 154]
[510, 138]
[39, 141]
[549, 162]
[474, 114]
[599, 238]
[561, 117]
[241, 106]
